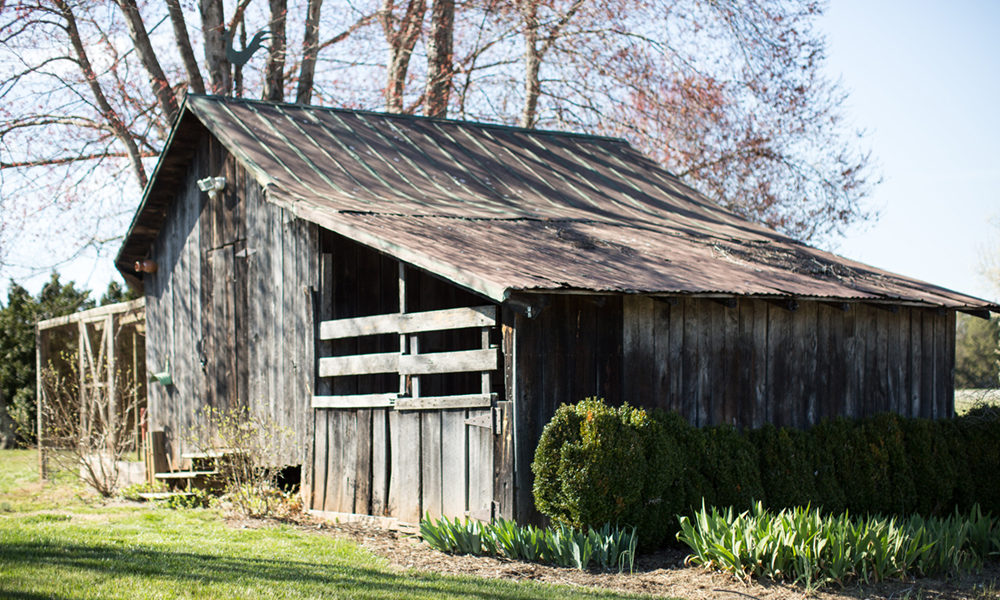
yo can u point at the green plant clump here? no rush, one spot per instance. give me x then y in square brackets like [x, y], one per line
[804, 546]
[607, 547]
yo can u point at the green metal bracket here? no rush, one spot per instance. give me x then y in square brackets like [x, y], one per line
[163, 377]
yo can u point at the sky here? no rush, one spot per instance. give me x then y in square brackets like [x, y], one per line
[924, 81]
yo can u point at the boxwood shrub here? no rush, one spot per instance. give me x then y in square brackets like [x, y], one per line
[597, 464]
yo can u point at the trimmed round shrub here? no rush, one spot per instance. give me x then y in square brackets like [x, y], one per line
[597, 464]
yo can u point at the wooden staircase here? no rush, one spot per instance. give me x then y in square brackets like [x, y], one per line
[204, 472]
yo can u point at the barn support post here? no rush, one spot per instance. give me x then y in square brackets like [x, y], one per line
[43, 471]
[112, 404]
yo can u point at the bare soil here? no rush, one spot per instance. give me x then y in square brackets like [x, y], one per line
[660, 574]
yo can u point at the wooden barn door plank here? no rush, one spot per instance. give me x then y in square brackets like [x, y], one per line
[453, 463]
[430, 463]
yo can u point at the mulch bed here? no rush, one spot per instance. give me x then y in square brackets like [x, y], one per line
[659, 574]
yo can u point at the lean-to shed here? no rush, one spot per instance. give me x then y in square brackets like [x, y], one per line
[414, 297]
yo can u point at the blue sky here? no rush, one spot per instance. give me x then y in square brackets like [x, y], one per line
[924, 80]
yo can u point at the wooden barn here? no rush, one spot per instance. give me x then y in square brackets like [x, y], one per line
[414, 297]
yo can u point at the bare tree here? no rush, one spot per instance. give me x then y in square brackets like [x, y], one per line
[274, 74]
[401, 33]
[310, 52]
[729, 95]
[439, 58]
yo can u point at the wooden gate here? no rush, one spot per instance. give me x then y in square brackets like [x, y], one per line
[404, 454]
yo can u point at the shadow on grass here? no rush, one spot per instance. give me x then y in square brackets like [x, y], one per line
[192, 569]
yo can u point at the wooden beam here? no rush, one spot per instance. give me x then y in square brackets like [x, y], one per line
[981, 313]
[448, 362]
[355, 401]
[358, 364]
[446, 402]
[93, 314]
[434, 320]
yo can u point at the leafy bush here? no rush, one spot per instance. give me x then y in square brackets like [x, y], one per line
[786, 465]
[598, 464]
[247, 467]
[607, 547]
[802, 545]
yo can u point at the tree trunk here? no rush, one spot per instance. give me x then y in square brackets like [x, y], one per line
[440, 66]
[532, 63]
[114, 121]
[274, 72]
[213, 27]
[310, 52]
[402, 39]
[195, 82]
[140, 41]
[533, 53]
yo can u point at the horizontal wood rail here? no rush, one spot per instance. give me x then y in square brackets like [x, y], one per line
[392, 400]
[359, 364]
[445, 402]
[461, 361]
[406, 323]
[356, 401]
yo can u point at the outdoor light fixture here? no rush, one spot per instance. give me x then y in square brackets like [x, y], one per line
[145, 266]
[212, 185]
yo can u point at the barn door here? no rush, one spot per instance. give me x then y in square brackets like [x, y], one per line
[217, 350]
[409, 452]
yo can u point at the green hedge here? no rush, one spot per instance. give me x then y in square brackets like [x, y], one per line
[598, 464]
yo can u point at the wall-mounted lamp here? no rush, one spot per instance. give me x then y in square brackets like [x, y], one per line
[145, 266]
[212, 185]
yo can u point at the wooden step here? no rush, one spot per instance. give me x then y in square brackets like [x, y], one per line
[213, 453]
[149, 496]
[185, 474]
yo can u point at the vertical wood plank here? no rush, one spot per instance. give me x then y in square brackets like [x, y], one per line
[948, 377]
[805, 333]
[503, 456]
[363, 471]
[380, 465]
[690, 386]
[730, 390]
[882, 372]
[661, 355]
[431, 463]
[453, 463]
[407, 457]
[916, 361]
[676, 357]
[927, 370]
[331, 496]
[320, 460]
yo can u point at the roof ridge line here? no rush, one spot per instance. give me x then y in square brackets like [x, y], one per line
[408, 117]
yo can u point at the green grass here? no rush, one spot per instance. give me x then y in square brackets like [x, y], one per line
[57, 542]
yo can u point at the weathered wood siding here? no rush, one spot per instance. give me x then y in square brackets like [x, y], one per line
[230, 307]
[390, 462]
[744, 362]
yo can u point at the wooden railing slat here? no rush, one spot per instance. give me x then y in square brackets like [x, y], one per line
[358, 364]
[433, 320]
[446, 402]
[448, 362]
[355, 401]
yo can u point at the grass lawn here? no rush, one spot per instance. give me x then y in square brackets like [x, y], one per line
[56, 541]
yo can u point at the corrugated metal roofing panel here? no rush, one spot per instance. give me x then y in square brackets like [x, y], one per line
[500, 209]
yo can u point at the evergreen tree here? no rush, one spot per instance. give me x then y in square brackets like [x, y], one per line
[17, 346]
[977, 352]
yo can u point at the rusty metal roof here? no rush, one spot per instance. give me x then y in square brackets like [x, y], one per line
[501, 209]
